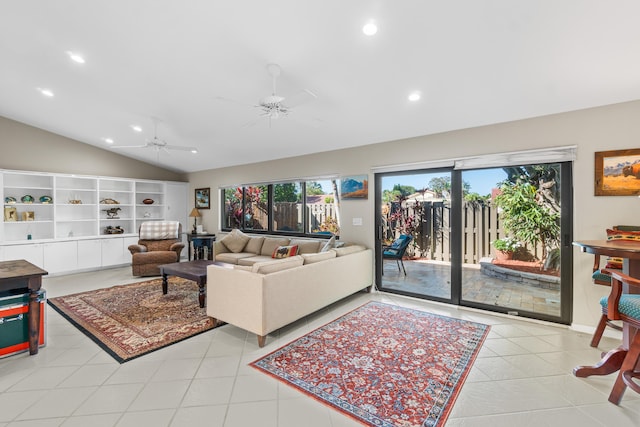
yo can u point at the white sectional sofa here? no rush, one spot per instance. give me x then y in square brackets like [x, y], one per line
[264, 294]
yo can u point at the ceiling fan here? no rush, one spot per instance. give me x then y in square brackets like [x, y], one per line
[274, 106]
[158, 144]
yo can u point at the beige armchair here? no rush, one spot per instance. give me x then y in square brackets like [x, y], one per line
[159, 243]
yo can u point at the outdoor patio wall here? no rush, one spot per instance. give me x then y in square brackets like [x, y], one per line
[597, 129]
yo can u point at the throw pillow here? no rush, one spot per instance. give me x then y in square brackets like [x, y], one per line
[307, 246]
[329, 245]
[614, 263]
[623, 235]
[235, 241]
[285, 251]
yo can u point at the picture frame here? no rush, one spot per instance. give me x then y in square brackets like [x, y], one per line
[203, 198]
[10, 214]
[617, 173]
[354, 187]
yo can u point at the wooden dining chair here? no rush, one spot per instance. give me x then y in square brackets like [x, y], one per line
[601, 276]
[625, 307]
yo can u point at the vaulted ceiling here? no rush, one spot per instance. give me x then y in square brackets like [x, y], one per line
[198, 69]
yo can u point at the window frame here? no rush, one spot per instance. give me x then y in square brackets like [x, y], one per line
[270, 209]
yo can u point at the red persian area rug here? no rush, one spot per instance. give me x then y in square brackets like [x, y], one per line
[129, 321]
[382, 364]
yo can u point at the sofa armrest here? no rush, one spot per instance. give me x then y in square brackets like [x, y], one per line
[137, 249]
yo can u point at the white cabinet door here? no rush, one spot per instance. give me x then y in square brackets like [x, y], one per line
[60, 257]
[89, 254]
[112, 251]
[29, 252]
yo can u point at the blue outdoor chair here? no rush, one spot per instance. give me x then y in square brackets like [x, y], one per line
[396, 250]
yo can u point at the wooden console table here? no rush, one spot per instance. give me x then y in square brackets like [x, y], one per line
[21, 274]
[630, 253]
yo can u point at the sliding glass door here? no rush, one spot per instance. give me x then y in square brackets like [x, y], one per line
[493, 238]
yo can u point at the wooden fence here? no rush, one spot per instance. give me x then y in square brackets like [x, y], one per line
[430, 224]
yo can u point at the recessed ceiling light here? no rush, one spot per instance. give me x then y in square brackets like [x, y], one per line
[108, 140]
[194, 151]
[414, 96]
[76, 57]
[370, 28]
[136, 128]
[46, 92]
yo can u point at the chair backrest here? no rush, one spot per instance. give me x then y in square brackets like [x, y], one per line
[160, 230]
[402, 243]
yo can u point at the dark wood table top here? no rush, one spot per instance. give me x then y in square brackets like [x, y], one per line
[19, 269]
[615, 248]
[192, 268]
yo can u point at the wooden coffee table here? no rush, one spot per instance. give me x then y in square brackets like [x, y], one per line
[191, 270]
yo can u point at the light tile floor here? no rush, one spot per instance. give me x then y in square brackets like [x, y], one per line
[522, 376]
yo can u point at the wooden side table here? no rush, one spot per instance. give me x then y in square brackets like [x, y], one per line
[197, 243]
[21, 274]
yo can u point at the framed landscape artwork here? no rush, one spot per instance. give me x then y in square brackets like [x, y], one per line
[354, 187]
[202, 198]
[617, 173]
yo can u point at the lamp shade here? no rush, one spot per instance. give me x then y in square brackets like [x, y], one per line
[195, 213]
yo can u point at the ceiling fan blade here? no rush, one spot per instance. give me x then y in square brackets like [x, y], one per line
[302, 97]
[179, 147]
[130, 146]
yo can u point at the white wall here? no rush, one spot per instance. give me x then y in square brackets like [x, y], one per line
[598, 129]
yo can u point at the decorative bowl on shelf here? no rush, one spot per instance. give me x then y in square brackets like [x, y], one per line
[46, 199]
[109, 202]
[27, 198]
[10, 200]
[148, 201]
[75, 201]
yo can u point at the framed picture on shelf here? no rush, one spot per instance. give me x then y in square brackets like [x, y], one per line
[10, 214]
[617, 173]
[202, 200]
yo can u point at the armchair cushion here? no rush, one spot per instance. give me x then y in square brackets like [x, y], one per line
[159, 230]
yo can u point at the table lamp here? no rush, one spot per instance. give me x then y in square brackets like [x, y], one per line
[195, 214]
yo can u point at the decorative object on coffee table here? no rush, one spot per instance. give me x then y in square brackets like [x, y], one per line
[132, 320]
[382, 364]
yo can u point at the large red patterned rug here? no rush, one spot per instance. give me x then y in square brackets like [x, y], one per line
[129, 321]
[382, 364]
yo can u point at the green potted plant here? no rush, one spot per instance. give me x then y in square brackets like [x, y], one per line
[505, 247]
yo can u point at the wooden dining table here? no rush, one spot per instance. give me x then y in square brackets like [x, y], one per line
[629, 251]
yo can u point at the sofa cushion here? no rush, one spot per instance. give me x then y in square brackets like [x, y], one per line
[307, 246]
[285, 251]
[320, 256]
[277, 265]
[235, 241]
[253, 259]
[242, 267]
[232, 258]
[348, 250]
[254, 245]
[271, 243]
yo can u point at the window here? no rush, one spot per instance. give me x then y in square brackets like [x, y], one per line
[297, 207]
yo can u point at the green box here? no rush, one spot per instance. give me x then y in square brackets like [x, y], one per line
[14, 321]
